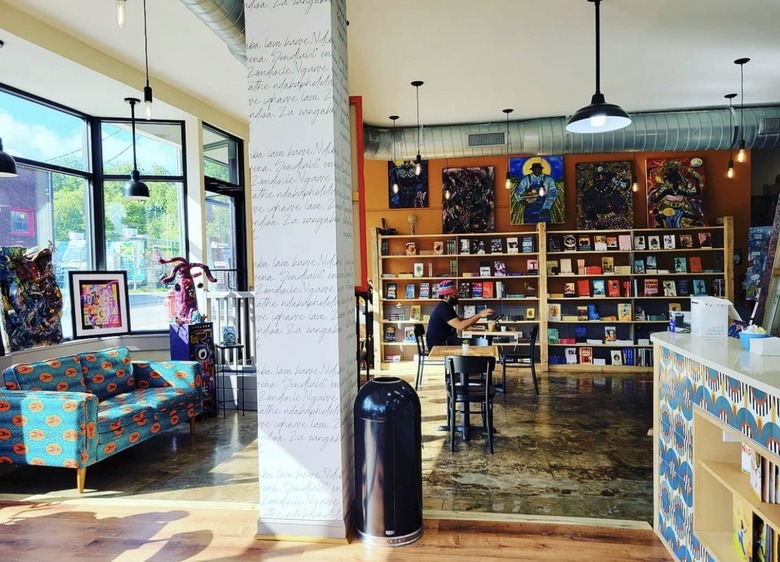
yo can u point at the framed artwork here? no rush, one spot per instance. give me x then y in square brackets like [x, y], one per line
[412, 189]
[526, 206]
[471, 204]
[675, 193]
[101, 306]
[604, 195]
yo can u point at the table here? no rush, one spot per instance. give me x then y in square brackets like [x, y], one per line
[226, 367]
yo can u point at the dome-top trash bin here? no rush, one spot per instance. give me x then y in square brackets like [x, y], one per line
[388, 463]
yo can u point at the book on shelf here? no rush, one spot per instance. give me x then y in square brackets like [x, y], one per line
[409, 291]
[624, 312]
[527, 244]
[651, 264]
[610, 334]
[529, 289]
[669, 242]
[592, 269]
[411, 248]
[639, 313]
[705, 240]
[639, 266]
[476, 289]
[624, 241]
[438, 248]
[530, 313]
[389, 333]
[613, 288]
[742, 529]
[584, 243]
[681, 285]
[695, 267]
[699, 287]
[569, 242]
[389, 276]
[586, 355]
[580, 334]
[391, 291]
[554, 312]
[569, 289]
[552, 335]
[639, 242]
[628, 356]
[478, 246]
[680, 265]
[600, 242]
[612, 242]
[499, 268]
[717, 287]
[651, 287]
[453, 268]
[616, 357]
[554, 243]
[465, 246]
[532, 266]
[552, 267]
[464, 290]
[484, 269]
[419, 269]
[469, 310]
[583, 288]
[566, 265]
[512, 246]
[409, 334]
[622, 270]
[599, 288]
[570, 353]
[580, 266]
[686, 241]
[608, 265]
[653, 242]
[500, 290]
[669, 288]
[593, 312]
[488, 291]
[405, 275]
[582, 312]
[626, 288]
[425, 290]
[450, 247]
[496, 246]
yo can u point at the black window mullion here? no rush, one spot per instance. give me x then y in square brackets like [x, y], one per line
[98, 199]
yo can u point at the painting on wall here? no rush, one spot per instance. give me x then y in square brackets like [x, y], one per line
[32, 301]
[471, 203]
[412, 190]
[675, 193]
[528, 203]
[604, 198]
[100, 303]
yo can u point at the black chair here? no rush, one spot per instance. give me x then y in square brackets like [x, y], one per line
[422, 354]
[469, 381]
[516, 355]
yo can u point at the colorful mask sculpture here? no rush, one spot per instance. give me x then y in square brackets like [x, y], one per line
[183, 293]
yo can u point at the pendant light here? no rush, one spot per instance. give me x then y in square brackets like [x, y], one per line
[730, 170]
[135, 188]
[447, 193]
[634, 183]
[542, 191]
[7, 164]
[508, 183]
[599, 116]
[148, 99]
[394, 118]
[121, 13]
[418, 161]
[741, 152]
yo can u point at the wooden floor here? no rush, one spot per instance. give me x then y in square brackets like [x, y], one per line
[166, 532]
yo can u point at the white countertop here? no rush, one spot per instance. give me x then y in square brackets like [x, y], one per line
[727, 356]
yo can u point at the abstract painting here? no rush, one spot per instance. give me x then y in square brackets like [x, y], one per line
[412, 189]
[470, 206]
[675, 193]
[604, 195]
[100, 303]
[527, 204]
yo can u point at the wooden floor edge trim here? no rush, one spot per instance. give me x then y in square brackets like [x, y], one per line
[543, 519]
[127, 502]
[295, 538]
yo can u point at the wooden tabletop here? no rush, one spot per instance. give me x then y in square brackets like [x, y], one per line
[441, 351]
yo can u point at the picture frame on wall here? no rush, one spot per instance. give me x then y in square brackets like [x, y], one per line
[101, 304]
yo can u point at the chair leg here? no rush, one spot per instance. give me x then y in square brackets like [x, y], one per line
[533, 375]
[489, 423]
[451, 411]
[81, 479]
[503, 375]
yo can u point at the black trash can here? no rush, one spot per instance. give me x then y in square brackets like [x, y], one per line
[388, 463]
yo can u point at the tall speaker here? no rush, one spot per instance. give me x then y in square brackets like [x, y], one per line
[195, 342]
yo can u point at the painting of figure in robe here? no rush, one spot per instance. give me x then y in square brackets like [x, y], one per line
[470, 206]
[675, 193]
[604, 198]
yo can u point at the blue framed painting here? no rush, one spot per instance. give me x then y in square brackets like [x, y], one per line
[537, 192]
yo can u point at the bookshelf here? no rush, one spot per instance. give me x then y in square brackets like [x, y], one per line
[608, 290]
[499, 270]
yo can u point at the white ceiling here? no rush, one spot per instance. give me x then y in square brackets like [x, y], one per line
[475, 57]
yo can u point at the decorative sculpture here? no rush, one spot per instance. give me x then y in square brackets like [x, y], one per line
[182, 294]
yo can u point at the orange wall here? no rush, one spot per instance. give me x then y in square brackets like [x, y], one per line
[723, 197]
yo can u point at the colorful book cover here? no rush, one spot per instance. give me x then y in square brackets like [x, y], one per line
[512, 246]
[487, 290]
[610, 334]
[569, 242]
[415, 313]
[695, 263]
[600, 242]
[584, 243]
[699, 287]
[686, 241]
[613, 288]
[624, 312]
[624, 241]
[554, 312]
[651, 287]
[411, 248]
[583, 288]
[496, 246]
[409, 334]
[742, 529]
[391, 291]
[554, 243]
[670, 290]
[612, 242]
[499, 268]
[599, 288]
[586, 355]
[680, 265]
[552, 335]
[607, 264]
[438, 248]
[569, 289]
[639, 266]
[582, 312]
[593, 312]
[409, 291]
[389, 334]
[705, 240]
[528, 244]
[425, 290]
[476, 289]
[419, 269]
[532, 267]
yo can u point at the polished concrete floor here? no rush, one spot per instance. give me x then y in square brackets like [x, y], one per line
[580, 449]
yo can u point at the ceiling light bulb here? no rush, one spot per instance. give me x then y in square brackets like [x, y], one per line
[598, 121]
[395, 187]
[148, 101]
[121, 13]
[741, 152]
[447, 194]
[635, 186]
[417, 166]
[542, 191]
[730, 172]
[508, 183]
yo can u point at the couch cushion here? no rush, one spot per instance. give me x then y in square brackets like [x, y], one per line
[108, 372]
[60, 374]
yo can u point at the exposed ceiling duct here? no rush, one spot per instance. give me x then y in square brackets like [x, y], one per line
[649, 132]
[226, 19]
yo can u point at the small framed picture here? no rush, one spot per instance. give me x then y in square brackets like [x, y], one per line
[101, 306]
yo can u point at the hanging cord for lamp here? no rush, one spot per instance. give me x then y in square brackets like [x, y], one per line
[121, 13]
[418, 160]
[447, 193]
[135, 188]
[394, 118]
[148, 98]
[730, 170]
[634, 183]
[741, 152]
[542, 191]
[508, 183]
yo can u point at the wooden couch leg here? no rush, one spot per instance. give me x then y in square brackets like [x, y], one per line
[81, 478]
[192, 425]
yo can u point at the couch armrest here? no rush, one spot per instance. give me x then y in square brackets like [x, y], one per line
[178, 374]
[48, 428]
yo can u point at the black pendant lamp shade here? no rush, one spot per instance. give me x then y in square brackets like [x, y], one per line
[599, 116]
[7, 164]
[418, 160]
[135, 188]
[741, 150]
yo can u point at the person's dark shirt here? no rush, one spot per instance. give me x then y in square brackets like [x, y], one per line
[438, 328]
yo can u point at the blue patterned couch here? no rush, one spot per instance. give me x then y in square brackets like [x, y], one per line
[77, 410]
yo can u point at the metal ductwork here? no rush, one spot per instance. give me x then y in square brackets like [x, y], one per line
[226, 19]
[648, 132]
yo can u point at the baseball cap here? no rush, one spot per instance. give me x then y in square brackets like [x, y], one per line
[447, 287]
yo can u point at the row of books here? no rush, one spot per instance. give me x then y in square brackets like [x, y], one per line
[642, 357]
[493, 290]
[623, 242]
[471, 246]
[763, 473]
[624, 313]
[753, 539]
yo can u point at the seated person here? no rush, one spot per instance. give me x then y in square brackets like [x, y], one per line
[444, 321]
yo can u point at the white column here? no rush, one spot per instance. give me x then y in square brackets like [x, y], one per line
[302, 232]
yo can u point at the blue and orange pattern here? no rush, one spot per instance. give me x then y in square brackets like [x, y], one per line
[683, 382]
[52, 417]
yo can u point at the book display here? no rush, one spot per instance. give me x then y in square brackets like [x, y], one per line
[632, 285]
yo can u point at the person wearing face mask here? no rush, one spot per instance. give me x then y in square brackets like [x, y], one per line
[444, 321]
